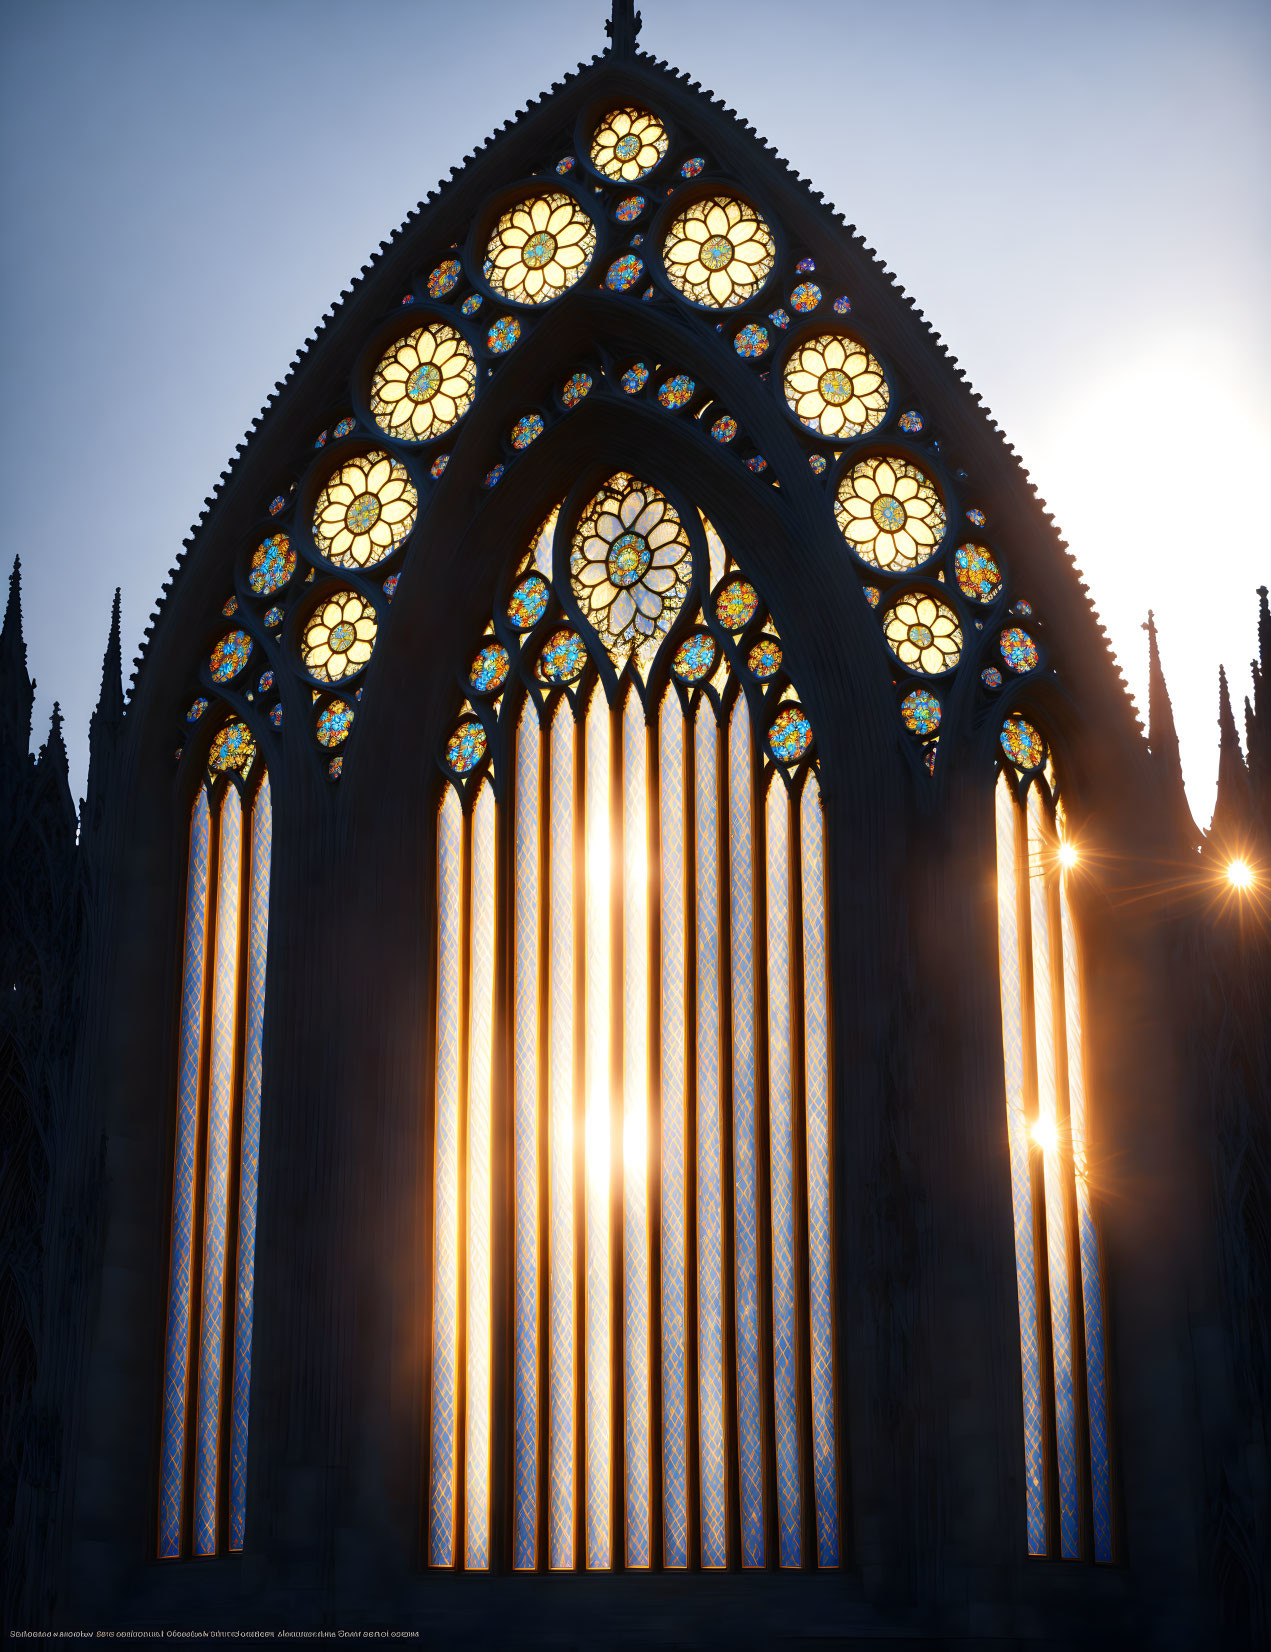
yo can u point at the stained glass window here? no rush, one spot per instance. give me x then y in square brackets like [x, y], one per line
[424, 384]
[1018, 649]
[230, 655]
[339, 638]
[629, 209]
[232, 748]
[627, 144]
[977, 574]
[503, 335]
[719, 251]
[835, 386]
[575, 388]
[634, 379]
[624, 273]
[751, 341]
[334, 723]
[805, 297]
[695, 657]
[630, 567]
[737, 604]
[923, 633]
[677, 392]
[466, 746]
[489, 670]
[444, 279]
[764, 659]
[790, 735]
[724, 428]
[563, 659]
[208, 1343]
[528, 602]
[539, 248]
[1058, 1272]
[526, 429]
[365, 511]
[889, 512]
[921, 711]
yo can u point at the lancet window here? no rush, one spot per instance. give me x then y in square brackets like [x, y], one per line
[641, 1034]
[208, 1340]
[1061, 1308]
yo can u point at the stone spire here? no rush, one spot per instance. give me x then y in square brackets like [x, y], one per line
[622, 28]
[1258, 723]
[1230, 825]
[105, 723]
[1162, 738]
[17, 691]
[53, 788]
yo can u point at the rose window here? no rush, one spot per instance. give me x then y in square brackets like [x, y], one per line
[539, 248]
[338, 640]
[630, 566]
[365, 511]
[627, 144]
[424, 384]
[923, 633]
[719, 251]
[835, 386]
[890, 513]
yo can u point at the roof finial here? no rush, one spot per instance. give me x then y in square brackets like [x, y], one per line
[622, 28]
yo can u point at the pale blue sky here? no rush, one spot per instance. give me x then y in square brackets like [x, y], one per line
[1075, 191]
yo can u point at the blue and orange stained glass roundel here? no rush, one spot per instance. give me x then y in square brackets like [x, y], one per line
[694, 658]
[230, 655]
[623, 273]
[528, 428]
[737, 605]
[790, 736]
[272, 565]
[977, 573]
[921, 711]
[197, 708]
[444, 279]
[724, 428]
[563, 658]
[466, 746]
[232, 748]
[764, 658]
[575, 388]
[528, 602]
[1022, 744]
[334, 723]
[1018, 649]
[677, 392]
[489, 670]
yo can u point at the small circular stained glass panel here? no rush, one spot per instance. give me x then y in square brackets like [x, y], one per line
[272, 565]
[628, 143]
[528, 602]
[790, 736]
[921, 711]
[1022, 744]
[339, 638]
[1018, 649]
[835, 386]
[764, 658]
[466, 746]
[923, 633]
[889, 512]
[489, 670]
[677, 392]
[977, 574]
[230, 655]
[232, 748]
[575, 388]
[539, 248]
[424, 383]
[334, 723]
[719, 251]
[563, 658]
[737, 604]
[694, 658]
[365, 511]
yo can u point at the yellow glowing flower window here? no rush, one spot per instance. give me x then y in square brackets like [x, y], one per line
[365, 511]
[339, 638]
[627, 144]
[719, 251]
[539, 248]
[890, 513]
[424, 384]
[923, 633]
[630, 567]
[834, 386]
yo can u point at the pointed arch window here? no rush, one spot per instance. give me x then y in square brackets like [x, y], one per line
[208, 1339]
[659, 1069]
[1058, 1273]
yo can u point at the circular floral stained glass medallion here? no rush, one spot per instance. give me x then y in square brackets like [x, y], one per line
[889, 512]
[991, 677]
[273, 618]
[339, 638]
[424, 384]
[737, 604]
[719, 251]
[575, 388]
[630, 566]
[790, 735]
[526, 430]
[624, 273]
[634, 379]
[489, 670]
[1018, 649]
[466, 746]
[335, 768]
[273, 562]
[539, 248]
[835, 386]
[694, 658]
[503, 335]
[724, 428]
[627, 144]
[764, 658]
[334, 723]
[232, 748]
[910, 423]
[692, 168]
[977, 574]
[921, 711]
[230, 655]
[528, 602]
[752, 341]
[438, 465]
[923, 633]
[229, 607]
[444, 279]
[677, 392]
[365, 511]
[629, 209]
[197, 708]
[1022, 744]
[806, 296]
[563, 658]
